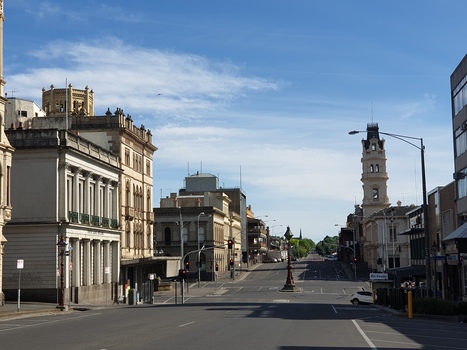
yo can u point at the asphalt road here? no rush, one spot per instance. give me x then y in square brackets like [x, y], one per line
[251, 313]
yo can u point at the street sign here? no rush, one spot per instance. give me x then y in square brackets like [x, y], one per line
[378, 276]
[107, 269]
[20, 264]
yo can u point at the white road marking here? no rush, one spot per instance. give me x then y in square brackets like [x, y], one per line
[368, 341]
[186, 324]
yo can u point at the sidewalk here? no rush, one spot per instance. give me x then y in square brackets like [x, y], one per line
[26, 309]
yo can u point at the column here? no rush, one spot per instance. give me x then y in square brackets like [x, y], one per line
[87, 281]
[75, 255]
[107, 262]
[115, 247]
[97, 263]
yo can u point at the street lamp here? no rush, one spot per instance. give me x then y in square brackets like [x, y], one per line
[61, 245]
[289, 282]
[405, 139]
[199, 251]
[273, 228]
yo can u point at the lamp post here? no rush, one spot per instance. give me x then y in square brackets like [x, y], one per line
[289, 282]
[426, 230]
[61, 245]
[181, 237]
[199, 254]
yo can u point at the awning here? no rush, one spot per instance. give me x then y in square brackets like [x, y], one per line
[459, 233]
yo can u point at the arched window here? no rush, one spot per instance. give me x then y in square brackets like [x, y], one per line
[375, 193]
[372, 169]
[148, 201]
[377, 168]
[128, 194]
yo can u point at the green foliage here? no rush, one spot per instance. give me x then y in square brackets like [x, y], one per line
[327, 246]
[434, 306]
[301, 247]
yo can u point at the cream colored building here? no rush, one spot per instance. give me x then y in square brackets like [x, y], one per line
[63, 187]
[205, 220]
[73, 109]
[6, 152]
[19, 112]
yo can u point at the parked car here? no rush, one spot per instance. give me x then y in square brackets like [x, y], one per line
[331, 257]
[362, 297]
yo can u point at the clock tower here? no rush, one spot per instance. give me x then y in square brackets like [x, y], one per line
[374, 174]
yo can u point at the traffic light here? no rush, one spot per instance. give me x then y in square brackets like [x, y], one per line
[187, 265]
[231, 262]
[184, 274]
[217, 267]
[229, 244]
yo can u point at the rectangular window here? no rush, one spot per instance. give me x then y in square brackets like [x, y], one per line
[392, 233]
[460, 141]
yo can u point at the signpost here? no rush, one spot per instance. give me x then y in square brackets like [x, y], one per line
[19, 266]
[107, 271]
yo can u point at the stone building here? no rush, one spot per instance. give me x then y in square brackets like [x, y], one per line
[6, 152]
[62, 187]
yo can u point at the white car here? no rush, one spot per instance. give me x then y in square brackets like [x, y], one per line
[362, 297]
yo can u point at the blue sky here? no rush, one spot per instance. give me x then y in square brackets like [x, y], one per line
[260, 93]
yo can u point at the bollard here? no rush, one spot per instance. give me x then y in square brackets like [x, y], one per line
[409, 304]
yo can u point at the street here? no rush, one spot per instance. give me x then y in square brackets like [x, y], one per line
[247, 313]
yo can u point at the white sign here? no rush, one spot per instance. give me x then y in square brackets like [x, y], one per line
[378, 276]
[107, 269]
[151, 276]
[20, 264]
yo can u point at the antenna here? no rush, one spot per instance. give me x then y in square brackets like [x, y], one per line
[13, 91]
[372, 113]
[240, 177]
[188, 168]
[201, 169]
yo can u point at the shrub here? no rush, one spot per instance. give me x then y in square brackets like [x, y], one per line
[461, 308]
[434, 306]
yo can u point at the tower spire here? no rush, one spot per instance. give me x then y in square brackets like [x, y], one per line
[374, 174]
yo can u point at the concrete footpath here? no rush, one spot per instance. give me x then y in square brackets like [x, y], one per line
[11, 309]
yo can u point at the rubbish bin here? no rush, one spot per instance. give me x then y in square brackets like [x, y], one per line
[132, 297]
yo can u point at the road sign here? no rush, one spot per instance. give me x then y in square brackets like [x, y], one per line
[20, 264]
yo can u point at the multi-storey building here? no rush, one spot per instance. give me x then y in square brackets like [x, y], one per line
[258, 238]
[6, 152]
[63, 187]
[72, 110]
[134, 147]
[219, 213]
[19, 112]
[456, 241]
[187, 223]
